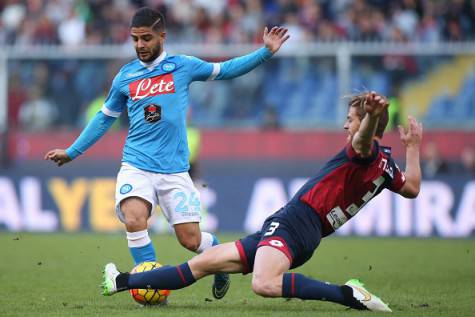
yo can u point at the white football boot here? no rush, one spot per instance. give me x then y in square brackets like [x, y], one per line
[109, 285]
[362, 295]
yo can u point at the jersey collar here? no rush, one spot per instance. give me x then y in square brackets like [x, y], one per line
[153, 64]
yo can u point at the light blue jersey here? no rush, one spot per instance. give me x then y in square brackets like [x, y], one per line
[155, 96]
[156, 99]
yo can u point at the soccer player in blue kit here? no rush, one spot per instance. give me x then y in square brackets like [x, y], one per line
[154, 90]
[289, 237]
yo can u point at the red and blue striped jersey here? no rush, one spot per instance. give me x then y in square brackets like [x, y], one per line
[348, 182]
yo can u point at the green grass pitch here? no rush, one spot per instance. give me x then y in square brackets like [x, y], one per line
[59, 275]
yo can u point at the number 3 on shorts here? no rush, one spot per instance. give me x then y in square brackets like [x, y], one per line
[273, 226]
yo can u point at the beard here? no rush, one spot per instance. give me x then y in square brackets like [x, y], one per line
[148, 56]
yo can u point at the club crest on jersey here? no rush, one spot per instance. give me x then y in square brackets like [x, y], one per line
[152, 113]
[126, 188]
[168, 67]
[148, 87]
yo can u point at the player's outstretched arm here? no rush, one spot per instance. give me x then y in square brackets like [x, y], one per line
[411, 139]
[94, 130]
[374, 106]
[274, 38]
[238, 66]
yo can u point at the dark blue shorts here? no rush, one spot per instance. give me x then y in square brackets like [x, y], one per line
[295, 230]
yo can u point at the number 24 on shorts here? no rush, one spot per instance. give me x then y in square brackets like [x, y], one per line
[184, 203]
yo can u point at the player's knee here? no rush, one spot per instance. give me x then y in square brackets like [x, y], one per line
[204, 264]
[189, 237]
[264, 287]
[191, 243]
[135, 213]
[135, 223]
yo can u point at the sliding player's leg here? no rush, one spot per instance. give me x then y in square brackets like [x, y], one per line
[223, 258]
[289, 239]
[191, 237]
[352, 294]
[269, 266]
[274, 281]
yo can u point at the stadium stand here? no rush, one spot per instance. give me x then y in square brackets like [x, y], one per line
[106, 21]
[297, 88]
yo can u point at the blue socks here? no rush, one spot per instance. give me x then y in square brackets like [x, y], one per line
[143, 254]
[165, 277]
[299, 286]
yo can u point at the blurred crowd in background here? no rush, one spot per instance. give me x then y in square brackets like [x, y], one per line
[69, 22]
[291, 92]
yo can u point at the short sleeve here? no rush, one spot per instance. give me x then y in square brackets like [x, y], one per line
[201, 70]
[116, 101]
[398, 178]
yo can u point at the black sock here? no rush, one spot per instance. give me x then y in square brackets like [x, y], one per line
[122, 281]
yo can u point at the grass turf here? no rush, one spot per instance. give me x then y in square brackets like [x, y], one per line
[59, 275]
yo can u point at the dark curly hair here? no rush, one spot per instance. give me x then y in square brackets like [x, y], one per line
[149, 18]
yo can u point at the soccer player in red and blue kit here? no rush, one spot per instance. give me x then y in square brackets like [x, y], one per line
[290, 236]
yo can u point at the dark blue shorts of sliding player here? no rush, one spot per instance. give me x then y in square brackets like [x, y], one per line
[295, 230]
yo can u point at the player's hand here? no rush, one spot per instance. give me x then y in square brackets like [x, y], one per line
[375, 104]
[411, 136]
[274, 38]
[58, 156]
